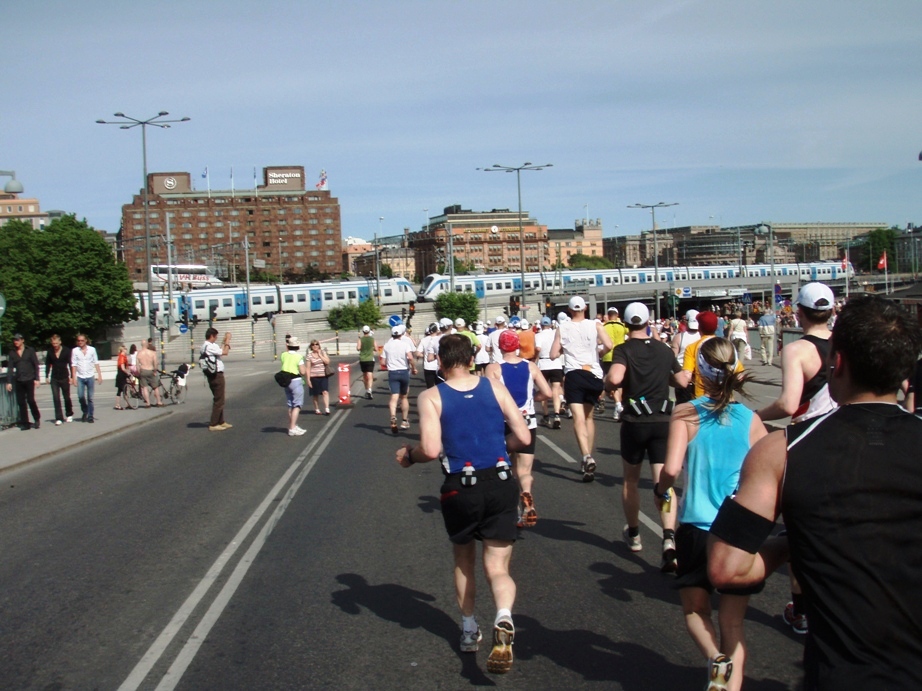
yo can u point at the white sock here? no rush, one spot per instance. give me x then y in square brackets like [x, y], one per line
[502, 614]
[468, 624]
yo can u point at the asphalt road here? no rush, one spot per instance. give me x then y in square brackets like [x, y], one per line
[168, 556]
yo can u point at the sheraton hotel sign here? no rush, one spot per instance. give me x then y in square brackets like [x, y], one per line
[275, 178]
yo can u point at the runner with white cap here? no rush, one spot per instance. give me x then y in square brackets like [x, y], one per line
[399, 358]
[578, 340]
[683, 394]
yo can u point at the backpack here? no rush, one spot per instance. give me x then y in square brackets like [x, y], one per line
[208, 363]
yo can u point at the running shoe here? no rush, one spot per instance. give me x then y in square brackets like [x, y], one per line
[600, 406]
[616, 416]
[633, 543]
[295, 432]
[393, 425]
[797, 622]
[720, 668]
[529, 514]
[546, 421]
[569, 413]
[470, 641]
[669, 564]
[368, 395]
[405, 424]
[500, 660]
[556, 422]
[588, 469]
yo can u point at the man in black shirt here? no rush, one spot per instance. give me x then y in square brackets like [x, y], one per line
[57, 373]
[644, 368]
[24, 375]
[849, 489]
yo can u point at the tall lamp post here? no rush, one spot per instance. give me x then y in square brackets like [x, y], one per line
[653, 208]
[126, 123]
[377, 263]
[495, 168]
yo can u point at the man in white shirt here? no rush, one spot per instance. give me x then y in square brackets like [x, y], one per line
[212, 352]
[84, 373]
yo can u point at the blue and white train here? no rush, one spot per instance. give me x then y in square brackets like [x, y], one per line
[506, 284]
[230, 302]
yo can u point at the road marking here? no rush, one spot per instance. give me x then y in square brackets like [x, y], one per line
[646, 520]
[159, 646]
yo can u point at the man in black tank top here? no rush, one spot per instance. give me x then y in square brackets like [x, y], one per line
[850, 491]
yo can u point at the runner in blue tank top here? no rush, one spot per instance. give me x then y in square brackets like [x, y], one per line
[710, 436]
[467, 416]
[521, 377]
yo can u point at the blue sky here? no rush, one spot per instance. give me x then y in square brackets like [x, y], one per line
[740, 111]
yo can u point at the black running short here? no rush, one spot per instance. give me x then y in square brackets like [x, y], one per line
[692, 557]
[531, 446]
[580, 386]
[487, 510]
[638, 438]
[367, 366]
[553, 376]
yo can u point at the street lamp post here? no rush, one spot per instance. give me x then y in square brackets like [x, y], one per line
[126, 123]
[653, 208]
[377, 264]
[496, 167]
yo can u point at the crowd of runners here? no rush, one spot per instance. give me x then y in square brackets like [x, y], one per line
[677, 398]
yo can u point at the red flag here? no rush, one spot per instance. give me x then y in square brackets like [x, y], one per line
[844, 264]
[882, 263]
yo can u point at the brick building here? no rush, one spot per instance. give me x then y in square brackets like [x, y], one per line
[291, 229]
[585, 238]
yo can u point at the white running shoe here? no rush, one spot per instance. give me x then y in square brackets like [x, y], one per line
[296, 432]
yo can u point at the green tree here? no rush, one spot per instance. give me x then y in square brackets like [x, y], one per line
[877, 242]
[353, 317]
[63, 280]
[584, 261]
[454, 305]
[386, 271]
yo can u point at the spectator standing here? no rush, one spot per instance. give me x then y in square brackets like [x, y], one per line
[292, 362]
[121, 375]
[57, 374]
[212, 364]
[710, 437]
[85, 373]
[738, 334]
[466, 416]
[317, 361]
[24, 376]
[147, 373]
[849, 489]
[766, 326]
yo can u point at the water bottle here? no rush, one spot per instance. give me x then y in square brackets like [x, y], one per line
[503, 472]
[468, 479]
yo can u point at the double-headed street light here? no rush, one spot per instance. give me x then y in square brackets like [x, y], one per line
[126, 123]
[653, 208]
[496, 167]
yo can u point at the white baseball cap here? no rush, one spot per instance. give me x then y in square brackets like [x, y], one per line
[816, 296]
[613, 309]
[500, 319]
[399, 330]
[445, 323]
[562, 317]
[460, 323]
[692, 318]
[523, 324]
[577, 304]
[366, 329]
[636, 314]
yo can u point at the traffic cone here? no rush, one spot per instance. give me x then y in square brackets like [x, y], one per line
[345, 394]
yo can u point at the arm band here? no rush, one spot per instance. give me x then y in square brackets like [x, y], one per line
[741, 528]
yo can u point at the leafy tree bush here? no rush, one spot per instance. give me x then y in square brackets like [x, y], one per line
[584, 261]
[352, 317]
[63, 280]
[454, 305]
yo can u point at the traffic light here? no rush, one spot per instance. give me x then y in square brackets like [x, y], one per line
[403, 313]
[547, 306]
[506, 311]
[153, 316]
[194, 320]
[412, 307]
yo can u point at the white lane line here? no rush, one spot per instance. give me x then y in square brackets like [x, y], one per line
[191, 648]
[159, 646]
[646, 520]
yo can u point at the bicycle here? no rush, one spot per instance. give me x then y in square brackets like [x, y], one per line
[176, 393]
[130, 397]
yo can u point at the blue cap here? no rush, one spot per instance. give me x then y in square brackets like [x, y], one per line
[545, 321]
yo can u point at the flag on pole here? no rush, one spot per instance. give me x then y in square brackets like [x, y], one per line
[207, 181]
[232, 182]
[255, 186]
[322, 185]
[844, 263]
[882, 262]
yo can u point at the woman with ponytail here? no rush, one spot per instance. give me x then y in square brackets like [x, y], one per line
[710, 437]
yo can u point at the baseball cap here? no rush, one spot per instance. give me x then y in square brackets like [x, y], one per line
[562, 317]
[366, 329]
[489, 322]
[636, 314]
[816, 296]
[399, 330]
[707, 323]
[524, 324]
[444, 323]
[460, 323]
[577, 304]
[508, 341]
[17, 337]
[613, 310]
[545, 321]
[692, 318]
[500, 319]
[293, 342]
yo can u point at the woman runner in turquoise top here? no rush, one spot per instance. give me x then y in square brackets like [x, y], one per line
[711, 436]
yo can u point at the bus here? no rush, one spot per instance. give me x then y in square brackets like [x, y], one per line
[183, 275]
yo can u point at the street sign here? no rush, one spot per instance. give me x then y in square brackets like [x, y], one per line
[259, 263]
[394, 320]
[779, 298]
[746, 299]
[683, 292]
[183, 328]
